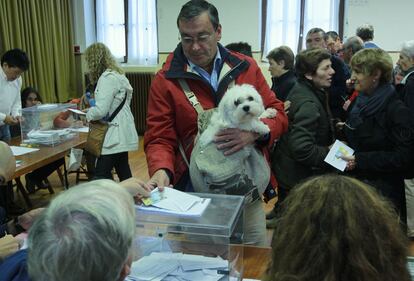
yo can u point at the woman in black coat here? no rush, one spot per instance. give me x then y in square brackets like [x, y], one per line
[300, 152]
[379, 128]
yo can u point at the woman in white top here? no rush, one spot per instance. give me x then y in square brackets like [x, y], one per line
[111, 88]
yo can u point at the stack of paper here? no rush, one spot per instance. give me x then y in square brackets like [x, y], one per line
[178, 267]
[49, 137]
[176, 202]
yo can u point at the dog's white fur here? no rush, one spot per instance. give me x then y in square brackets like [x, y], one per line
[241, 107]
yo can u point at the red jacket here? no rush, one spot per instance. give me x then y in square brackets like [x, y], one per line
[171, 117]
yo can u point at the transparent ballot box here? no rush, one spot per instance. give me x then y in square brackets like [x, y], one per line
[36, 125]
[197, 247]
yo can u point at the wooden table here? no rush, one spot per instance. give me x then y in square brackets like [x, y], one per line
[45, 155]
[255, 261]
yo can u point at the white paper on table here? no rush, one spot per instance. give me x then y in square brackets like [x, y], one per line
[176, 200]
[19, 150]
[334, 155]
[156, 265]
[196, 262]
[77, 111]
[80, 130]
[196, 210]
[169, 266]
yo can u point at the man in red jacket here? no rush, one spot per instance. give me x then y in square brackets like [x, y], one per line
[208, 69]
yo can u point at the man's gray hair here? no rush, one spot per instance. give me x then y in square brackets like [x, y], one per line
[354, 43]
[408, 49]
[85, 234]
[365, 32]
[194, 8]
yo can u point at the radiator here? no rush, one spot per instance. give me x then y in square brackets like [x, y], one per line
[140, 82]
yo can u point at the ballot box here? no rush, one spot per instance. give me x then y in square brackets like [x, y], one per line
[206, 246]
[37, 128]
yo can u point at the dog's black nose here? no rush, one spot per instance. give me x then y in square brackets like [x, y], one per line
[246, 108]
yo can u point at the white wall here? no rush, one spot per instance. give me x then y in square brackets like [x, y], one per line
[392, 20]
[239, 19]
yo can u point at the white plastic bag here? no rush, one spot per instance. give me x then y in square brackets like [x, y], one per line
[75, 159]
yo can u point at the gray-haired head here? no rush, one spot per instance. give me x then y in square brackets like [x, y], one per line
[85, 234]
[354, 43]
[351, 46]
[365, 32]
[195, 8]
[408, 49]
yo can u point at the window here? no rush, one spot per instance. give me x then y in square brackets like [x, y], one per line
[129, 29]
[288, 20]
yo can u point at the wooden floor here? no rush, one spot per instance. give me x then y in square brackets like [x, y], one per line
[139, 169]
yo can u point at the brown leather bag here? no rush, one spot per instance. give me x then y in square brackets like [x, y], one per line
[97, 132]
[96, 137]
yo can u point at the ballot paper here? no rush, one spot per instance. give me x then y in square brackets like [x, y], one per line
[178, 266]
[77, 111]
[173, 201]
[19, 150]
[80, 129]
[338, 150]
[49, 137]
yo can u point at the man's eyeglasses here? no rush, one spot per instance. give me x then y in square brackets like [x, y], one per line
[202, 39]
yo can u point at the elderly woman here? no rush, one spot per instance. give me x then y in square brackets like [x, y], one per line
[281, 62]
[112, 91]
[337, 228]
[301, 151]
[378, 128]
[406, 64]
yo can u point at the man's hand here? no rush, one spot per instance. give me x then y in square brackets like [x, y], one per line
[8, 245]
[10, 120]
[137, 188]
[233, 139]
[26, 220]
[286, 106]
[350, 165]
[160, 179]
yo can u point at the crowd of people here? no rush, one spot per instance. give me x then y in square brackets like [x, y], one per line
[328, 225]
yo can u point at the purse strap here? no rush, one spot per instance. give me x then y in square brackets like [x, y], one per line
[113, 115]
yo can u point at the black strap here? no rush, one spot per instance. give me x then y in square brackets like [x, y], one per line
[117, 109]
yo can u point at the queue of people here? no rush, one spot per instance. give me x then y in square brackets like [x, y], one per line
[349, 229]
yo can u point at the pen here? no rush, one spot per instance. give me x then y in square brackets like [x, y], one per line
[29, 145]
[223, 271]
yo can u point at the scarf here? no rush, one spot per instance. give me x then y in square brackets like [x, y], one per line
[367, 105]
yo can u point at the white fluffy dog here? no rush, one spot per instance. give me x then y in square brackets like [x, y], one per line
[241, 107]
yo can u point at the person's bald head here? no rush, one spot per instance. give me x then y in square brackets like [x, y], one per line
[7, 163]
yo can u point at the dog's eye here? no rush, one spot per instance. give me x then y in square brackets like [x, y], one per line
[250, 99]
[236, 103]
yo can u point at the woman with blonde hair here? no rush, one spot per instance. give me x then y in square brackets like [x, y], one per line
[379, 129]
[335, 228]
[112, 91]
